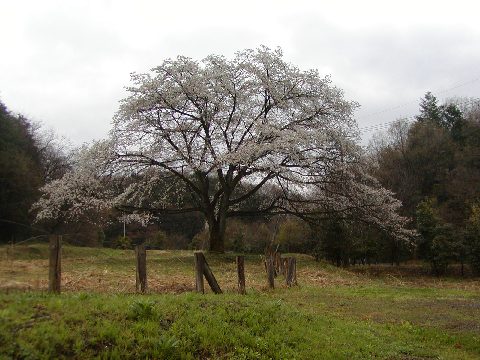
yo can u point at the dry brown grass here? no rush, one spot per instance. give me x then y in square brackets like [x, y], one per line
[418, 275]
[113, 271]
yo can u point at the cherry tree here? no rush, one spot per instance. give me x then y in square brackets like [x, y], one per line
[218, 132]
[85, 193]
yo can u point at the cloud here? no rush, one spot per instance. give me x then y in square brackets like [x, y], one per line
[387, 67]
[67, 63]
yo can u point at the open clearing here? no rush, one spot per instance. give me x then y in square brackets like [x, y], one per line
[365, 312]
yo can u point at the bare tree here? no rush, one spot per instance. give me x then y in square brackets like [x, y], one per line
[55, 153]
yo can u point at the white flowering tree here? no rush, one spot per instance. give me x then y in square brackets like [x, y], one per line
[83, 194]
[219, 132]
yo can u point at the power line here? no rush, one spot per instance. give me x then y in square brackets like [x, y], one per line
[390, 109]
[23, 225]
[384, 125]
[459, 85]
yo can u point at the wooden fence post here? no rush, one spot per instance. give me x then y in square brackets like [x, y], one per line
[202, 269]
[199, 265]
[210, 278]
[269, 261]
[287, 270]
[291, 277]
[284, 267]
[241, 274]
[55, 264]
[294, 277]
[141, 279]
[278, 263]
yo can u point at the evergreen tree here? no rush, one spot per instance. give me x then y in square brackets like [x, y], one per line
[429, 110]
[427, 221]
[473, 238]
[20, 175]
[452, 119]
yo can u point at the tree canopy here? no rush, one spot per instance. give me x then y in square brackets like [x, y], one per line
[29, 156]
[216, 133]
[20, 174]
[432, 165]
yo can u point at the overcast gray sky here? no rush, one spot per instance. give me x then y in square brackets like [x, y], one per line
[65, 63]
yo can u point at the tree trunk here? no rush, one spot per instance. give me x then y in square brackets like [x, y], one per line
[216, 226]
[217, 238]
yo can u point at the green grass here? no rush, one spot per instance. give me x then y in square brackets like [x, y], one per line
[332, 314]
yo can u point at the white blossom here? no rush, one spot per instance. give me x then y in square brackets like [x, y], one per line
[225, 130]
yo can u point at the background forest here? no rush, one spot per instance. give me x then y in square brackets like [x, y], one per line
[432, 164]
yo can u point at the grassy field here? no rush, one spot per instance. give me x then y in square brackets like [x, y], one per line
[375, 312]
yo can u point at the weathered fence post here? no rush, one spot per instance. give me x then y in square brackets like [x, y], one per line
[270, 266]
[269, 261]
[141, 279]
[202, 269]
[210, 278]
[291, 277]
[294, 277]
[199, 265]
[241, 274]
[284, 267]
[278, 263]
[55, 264]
